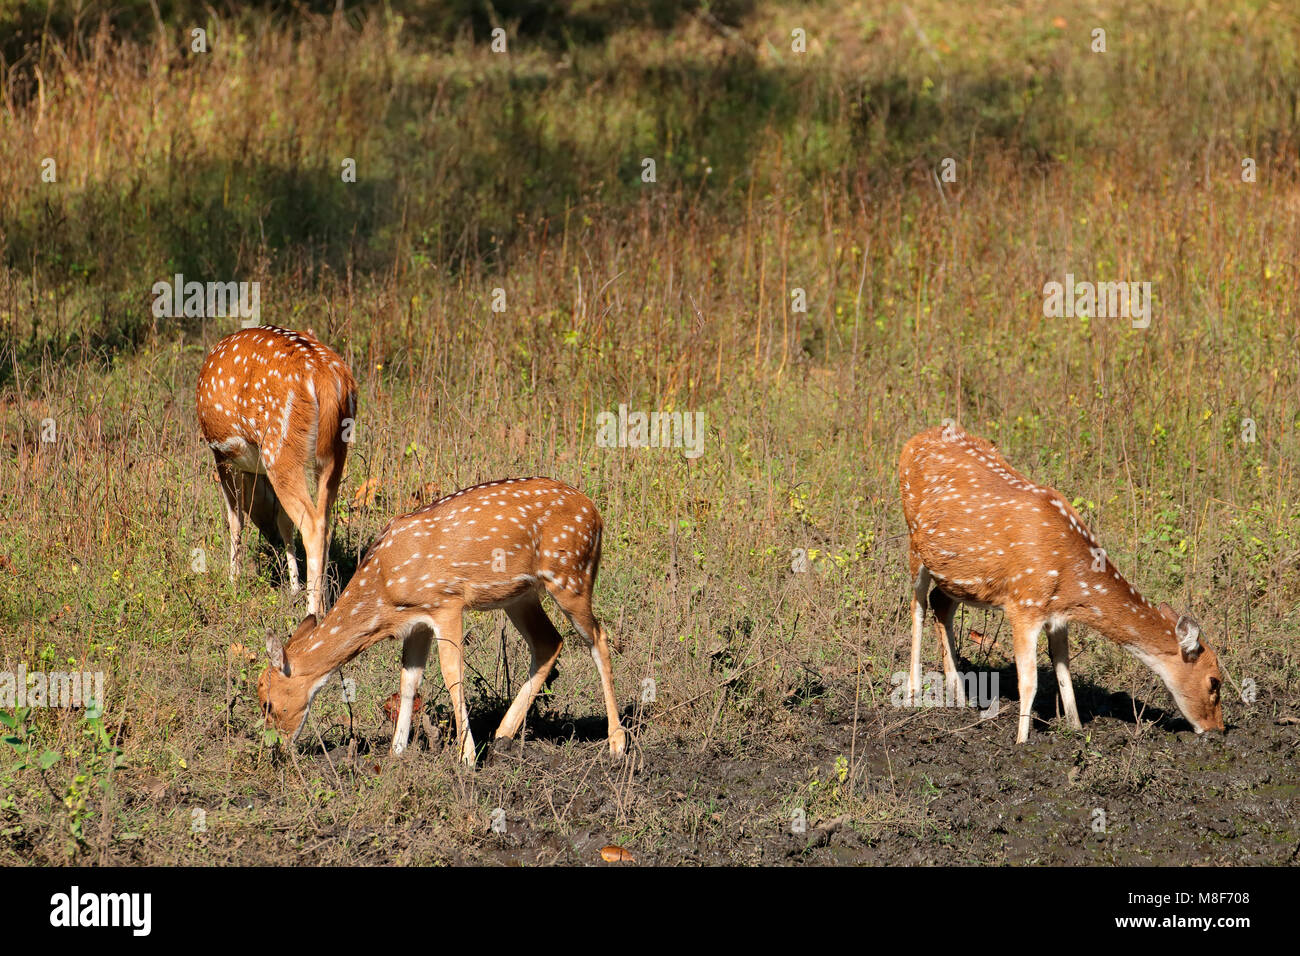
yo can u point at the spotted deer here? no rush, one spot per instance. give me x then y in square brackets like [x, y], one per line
[277, 407]
[495, 545]
[985, 535]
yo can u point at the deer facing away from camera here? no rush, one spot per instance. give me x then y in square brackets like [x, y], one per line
[495, 545]
[275, 405]
[985, 535]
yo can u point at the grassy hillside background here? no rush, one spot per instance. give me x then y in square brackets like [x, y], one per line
[776, 171]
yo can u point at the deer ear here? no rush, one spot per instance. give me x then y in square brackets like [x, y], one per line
[276, 650]
[1168, 611]
[305, 627]
[1189, 637]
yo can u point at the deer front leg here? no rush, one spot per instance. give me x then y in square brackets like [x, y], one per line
[1058, 645]
[415, 654]
[920, 589]
[1025, 638]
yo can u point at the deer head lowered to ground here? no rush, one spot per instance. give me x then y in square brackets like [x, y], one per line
[273, 405]
[985, 535]
[495, 545]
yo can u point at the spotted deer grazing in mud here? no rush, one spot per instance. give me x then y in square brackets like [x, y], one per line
[985, 535]
[276, 406]
[496, 545]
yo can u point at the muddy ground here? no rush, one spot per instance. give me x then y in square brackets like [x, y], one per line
[915, 787]
[944, 787]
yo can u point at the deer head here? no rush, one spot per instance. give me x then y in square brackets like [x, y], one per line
[286, 692]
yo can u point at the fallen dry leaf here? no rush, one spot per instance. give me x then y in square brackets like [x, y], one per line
[393, 706]
[153, 787]
[59, 614]
[238, 652]
[364, 496]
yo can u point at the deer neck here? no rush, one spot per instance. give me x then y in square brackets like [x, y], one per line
[352, 625]
[1122, 615]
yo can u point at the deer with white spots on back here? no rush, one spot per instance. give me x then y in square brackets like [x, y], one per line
[985, 535]
[275, 405]
[496, 545]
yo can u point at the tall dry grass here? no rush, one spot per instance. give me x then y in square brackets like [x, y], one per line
[776, 173]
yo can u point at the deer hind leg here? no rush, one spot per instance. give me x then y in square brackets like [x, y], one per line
[577, 608]
[451, 660]
[1025, 638]
[290, 484]
[945, 610]
[1058, 644]
[415, 655]
[230, 480]
[544, 641]
[327, 489]
[920, 588]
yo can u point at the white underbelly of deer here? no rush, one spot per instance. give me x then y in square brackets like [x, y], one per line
[496, 545]
[983, 534]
